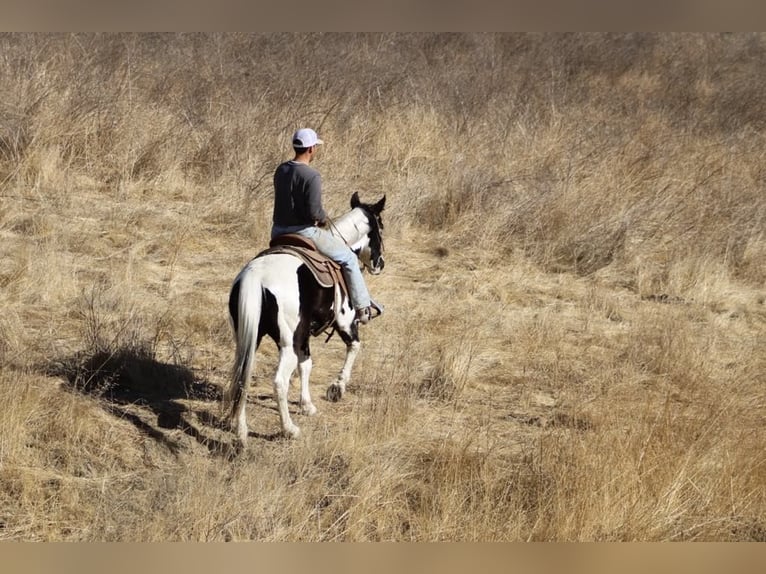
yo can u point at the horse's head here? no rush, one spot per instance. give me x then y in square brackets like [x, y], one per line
[369, 246]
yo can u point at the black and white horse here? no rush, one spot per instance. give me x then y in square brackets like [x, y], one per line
[277, 295]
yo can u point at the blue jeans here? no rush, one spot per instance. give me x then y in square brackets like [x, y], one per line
[338, 251]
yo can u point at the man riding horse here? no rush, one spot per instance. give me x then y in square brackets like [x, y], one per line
[289, 292]
[298, 209]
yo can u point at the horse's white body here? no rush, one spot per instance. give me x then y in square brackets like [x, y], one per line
[268, 273]
[274, 281]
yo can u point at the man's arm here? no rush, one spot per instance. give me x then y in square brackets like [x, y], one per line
[314, 192]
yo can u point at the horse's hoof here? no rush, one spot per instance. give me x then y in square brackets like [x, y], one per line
[233, 450]
[309, 410]
[292, 432]
[334, 393]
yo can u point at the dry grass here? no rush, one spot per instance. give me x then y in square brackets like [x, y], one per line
[575, 287]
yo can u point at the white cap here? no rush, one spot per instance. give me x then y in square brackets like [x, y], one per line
[306, 137]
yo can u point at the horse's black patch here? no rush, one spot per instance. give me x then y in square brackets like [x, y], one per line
[268, 324]
[316, 306]
[234, 305]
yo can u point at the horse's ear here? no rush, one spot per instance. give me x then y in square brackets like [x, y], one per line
[378, 207]
[355, 200]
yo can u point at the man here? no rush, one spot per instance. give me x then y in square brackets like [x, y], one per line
[298, 209]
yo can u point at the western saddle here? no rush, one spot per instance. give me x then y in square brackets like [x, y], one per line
[326, 271]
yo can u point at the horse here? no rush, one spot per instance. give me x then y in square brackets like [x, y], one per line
[277, 295]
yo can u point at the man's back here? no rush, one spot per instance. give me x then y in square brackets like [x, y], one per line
[298, 209]
[297, 195]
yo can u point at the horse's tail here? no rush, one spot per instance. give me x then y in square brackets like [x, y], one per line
[245, 300]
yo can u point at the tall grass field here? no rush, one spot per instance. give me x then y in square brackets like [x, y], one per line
[574, 341]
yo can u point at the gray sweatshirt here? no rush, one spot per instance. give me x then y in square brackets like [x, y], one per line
[297, 196]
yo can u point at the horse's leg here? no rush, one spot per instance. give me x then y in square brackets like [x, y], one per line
[287, 363]
[301, 339]
[238, 416]
[337, 389]
[304, 369]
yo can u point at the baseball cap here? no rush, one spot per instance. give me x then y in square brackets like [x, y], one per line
[306, 137]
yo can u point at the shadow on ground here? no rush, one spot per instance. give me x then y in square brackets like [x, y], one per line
[150, 394]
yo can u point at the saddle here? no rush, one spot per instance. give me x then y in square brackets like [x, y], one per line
[326, 271]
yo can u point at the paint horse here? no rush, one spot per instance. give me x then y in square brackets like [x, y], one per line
[276, 294]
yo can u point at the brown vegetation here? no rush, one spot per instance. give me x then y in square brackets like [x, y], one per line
[575, 286]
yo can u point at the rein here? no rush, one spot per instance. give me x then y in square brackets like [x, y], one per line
[332, 225]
